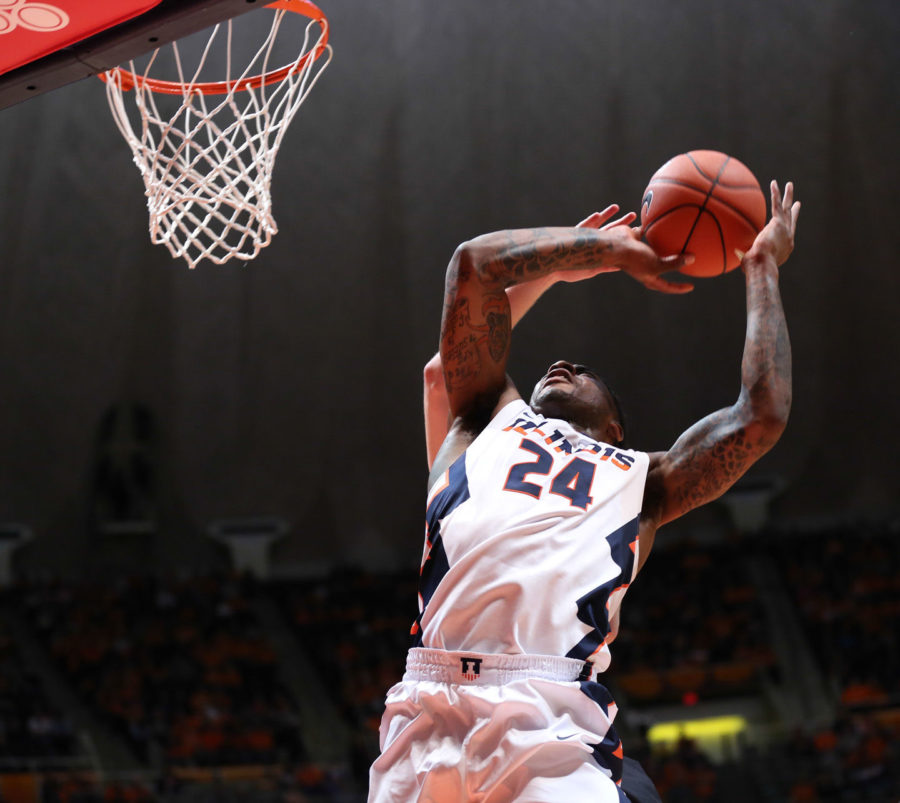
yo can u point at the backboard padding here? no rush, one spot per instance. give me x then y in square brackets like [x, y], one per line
[163, 23]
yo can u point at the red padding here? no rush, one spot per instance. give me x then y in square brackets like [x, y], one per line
[32, 29]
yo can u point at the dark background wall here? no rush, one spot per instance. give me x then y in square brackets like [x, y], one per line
[292, 385]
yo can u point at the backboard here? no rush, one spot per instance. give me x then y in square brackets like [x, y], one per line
[47, 44]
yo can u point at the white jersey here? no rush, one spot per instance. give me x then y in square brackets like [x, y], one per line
[531, 541]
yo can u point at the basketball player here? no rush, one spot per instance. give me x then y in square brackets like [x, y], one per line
[538, 519]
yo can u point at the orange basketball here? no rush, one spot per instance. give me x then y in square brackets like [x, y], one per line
[705, 203]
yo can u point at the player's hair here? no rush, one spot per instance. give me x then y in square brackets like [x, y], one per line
[617, 404]
[620, 413]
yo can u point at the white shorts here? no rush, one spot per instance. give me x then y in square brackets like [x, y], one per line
[475, 728]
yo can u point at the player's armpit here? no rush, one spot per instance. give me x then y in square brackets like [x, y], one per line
[707, 460]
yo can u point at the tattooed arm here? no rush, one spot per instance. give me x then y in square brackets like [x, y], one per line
[709, 458]
[477, 319]
[476, 322]
[522, 297]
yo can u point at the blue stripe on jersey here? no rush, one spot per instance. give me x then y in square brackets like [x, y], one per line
[436, 565]
[592, 606]
[604, 751]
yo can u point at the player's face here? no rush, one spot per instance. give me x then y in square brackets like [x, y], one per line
[576, 394]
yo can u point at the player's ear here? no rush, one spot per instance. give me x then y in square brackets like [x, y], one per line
[614, 432]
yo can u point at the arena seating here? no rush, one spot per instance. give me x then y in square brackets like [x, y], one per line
[32, 732]
[187, 674]
[177, 668]
[845, 582]
[355, 626]
[692, 625]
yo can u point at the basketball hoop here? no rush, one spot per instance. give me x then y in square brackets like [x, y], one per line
[207, 164]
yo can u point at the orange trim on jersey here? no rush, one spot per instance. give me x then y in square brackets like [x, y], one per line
[523, 430]
[426, 554]
[599, 647]
[623, 587]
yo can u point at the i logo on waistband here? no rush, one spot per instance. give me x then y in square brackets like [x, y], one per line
[475, 671]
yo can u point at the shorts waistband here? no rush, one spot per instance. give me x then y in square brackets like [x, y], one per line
[486, 669]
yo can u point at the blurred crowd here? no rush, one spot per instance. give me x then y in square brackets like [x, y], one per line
[182, 670]
[30, 727]
[188, 676]
[693, 625]
[305, 783]
[846, 585]
[359, 623]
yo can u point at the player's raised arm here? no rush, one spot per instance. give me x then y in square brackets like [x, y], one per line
[476, 322]
[436, 405]
[710, 456]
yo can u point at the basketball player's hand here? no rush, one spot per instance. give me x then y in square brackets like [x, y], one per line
[776, 240]
[643, 264]
[602, 222]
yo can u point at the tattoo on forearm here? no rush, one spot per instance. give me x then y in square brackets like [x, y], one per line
[527, 254]
[766, 368]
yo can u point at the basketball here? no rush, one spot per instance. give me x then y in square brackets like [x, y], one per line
[705, 203]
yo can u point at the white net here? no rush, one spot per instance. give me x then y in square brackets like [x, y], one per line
[207, 159]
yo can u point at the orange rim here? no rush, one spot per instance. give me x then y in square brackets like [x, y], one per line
[128, 80]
